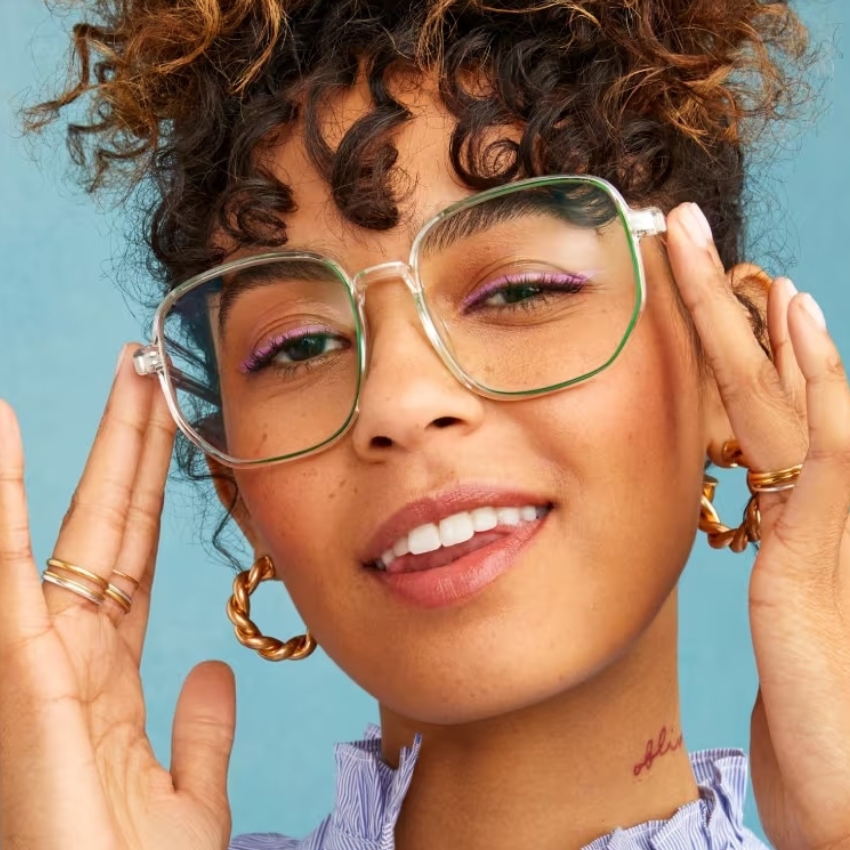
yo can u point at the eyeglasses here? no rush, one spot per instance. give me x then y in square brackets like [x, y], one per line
[522, 290]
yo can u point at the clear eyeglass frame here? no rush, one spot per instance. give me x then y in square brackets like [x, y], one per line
[152, 359]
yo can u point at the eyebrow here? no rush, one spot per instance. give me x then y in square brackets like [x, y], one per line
[475, 220]
[239, 282]
[574, 210]
[459, 226]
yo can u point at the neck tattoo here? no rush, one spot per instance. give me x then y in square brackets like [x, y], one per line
[657, 748]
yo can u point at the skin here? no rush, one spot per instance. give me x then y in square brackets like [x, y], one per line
[603, 605]
[584, 624]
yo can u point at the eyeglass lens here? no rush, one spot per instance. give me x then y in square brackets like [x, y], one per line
[528, 291]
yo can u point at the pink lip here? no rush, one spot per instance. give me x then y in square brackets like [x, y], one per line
[434, 508]
[456, 582]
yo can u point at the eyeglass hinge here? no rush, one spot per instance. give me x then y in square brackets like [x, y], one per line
[647, 222]
[147, 360]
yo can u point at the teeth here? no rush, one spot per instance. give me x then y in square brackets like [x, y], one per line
[509, 516]
[424, 539]
[483, 519]
[458, 528]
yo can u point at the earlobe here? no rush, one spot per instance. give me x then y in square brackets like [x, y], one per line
[718, 428]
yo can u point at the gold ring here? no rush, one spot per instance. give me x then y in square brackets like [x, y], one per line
[58, 564]
[749, 531]
[133, 581]
[73, 586]
[118, 595]
[773, 482]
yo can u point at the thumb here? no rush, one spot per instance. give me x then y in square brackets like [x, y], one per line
[202, 734]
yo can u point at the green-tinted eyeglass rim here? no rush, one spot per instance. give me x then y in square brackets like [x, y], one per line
[153, 360]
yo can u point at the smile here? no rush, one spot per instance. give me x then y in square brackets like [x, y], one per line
[453, 531]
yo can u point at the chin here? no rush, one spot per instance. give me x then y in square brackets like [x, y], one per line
[470, 689]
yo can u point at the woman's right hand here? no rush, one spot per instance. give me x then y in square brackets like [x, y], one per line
[77, 771]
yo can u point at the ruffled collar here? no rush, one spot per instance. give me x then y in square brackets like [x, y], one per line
[370, 793]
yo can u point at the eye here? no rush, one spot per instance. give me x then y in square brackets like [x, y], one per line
[307, 347]
[291, 350]
[513, 290]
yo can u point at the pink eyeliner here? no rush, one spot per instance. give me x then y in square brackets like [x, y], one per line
[259, 355]
[552, 280]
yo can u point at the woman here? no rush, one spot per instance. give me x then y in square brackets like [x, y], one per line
[401, 242]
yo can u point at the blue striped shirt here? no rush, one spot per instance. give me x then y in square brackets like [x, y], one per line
[369, 794]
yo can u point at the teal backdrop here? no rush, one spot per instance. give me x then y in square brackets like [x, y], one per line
[63, 318]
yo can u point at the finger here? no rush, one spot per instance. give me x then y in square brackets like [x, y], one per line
[202, 737]
[816, 513]
[137, 557]
[779, 299]
[24, 613]
[93, 529]
[748, 382]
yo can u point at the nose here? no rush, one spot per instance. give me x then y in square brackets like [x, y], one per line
[409, 400]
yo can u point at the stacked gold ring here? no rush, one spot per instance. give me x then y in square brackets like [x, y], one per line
[749, 531]
[97, 594]
[773, 482]
[74, 586]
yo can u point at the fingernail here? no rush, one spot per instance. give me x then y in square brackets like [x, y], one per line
[790, 284]
[120, 361]
[697, 226]
[814, 311]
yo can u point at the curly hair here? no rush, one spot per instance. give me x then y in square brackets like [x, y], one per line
[664, 98]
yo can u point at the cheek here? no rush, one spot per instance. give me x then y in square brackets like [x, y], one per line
[632, 426]
[298, 513]
[623, 454]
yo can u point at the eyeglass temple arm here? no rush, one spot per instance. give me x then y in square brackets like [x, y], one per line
[148, 362]
[182, 381]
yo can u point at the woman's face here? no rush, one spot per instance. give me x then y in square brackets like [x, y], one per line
[618, 458]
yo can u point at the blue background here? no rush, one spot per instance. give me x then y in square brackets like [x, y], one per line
[63, 320]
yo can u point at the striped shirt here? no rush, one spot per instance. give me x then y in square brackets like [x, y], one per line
[369, 794]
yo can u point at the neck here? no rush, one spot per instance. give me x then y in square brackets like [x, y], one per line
[557, 775]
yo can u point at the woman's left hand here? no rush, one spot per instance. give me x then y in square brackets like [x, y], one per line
[793, 410]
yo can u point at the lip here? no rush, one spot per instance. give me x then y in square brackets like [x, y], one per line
[455, 583]
[434, 508]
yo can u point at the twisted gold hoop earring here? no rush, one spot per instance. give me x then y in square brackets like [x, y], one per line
[737, 539]
[239, 613]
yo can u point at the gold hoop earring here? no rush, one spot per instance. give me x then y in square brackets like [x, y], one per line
[737, 539]
[239, 613]
[720, 535]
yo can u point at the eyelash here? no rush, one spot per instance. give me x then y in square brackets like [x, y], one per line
[264, 357]
[545, 282]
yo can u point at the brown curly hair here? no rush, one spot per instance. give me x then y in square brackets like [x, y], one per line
[664, 98]
[660, 97]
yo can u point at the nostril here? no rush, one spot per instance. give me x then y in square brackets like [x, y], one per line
[446, 421]
[381, 442]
